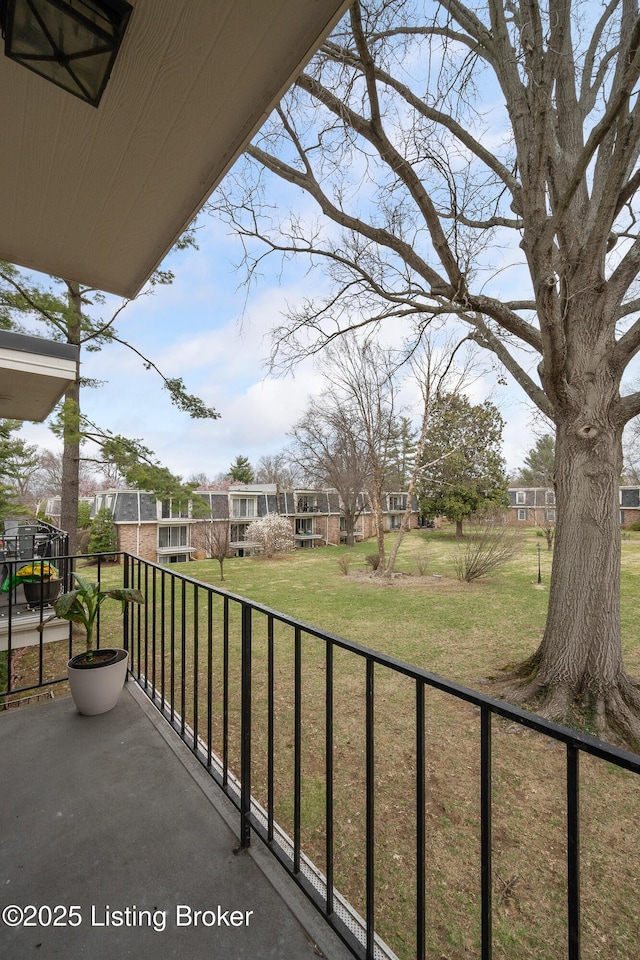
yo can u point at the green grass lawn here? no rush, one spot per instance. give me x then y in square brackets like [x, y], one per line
[460, 630]
[464, 632]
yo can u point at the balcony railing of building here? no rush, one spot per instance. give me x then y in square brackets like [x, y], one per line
[306, 505]
[339, 759]
[34, 568]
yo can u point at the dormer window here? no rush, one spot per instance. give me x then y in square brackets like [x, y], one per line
[243, 507]
[175, 509]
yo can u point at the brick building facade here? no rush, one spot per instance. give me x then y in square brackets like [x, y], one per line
[167, 532]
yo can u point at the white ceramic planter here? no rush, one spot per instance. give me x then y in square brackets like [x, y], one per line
[95, 689]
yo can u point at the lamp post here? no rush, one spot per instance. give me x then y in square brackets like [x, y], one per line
[539, 570]
[72, 43]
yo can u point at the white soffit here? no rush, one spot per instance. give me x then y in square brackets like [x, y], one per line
[34, 374]
[101, 195]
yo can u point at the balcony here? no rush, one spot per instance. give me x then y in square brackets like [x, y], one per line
[32, 572]
[114, 817]
[246, 738]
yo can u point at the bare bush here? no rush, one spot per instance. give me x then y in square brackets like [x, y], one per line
[422, 563]
[485, 552]
[344, 564]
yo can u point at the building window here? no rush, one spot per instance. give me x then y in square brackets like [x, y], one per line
[306, 504]
[304, 528]
[394, 522]
[243, 507]
[172, 537]
[550, 498]
[238, 532]
[551, 516]
[522, 514]
[396, 503]
[521, 497]
[173, 509]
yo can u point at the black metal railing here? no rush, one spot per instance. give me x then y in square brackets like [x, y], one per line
[279, 711]
[28, 587]
[369, 778]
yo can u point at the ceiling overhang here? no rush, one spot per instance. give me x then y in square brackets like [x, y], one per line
[101, 195]
[34, 374]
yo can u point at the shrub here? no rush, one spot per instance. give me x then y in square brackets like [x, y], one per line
[635, 526]
[84, 515]
[485, 552]
[103, 537]
[273, 533]
[372, 560]
[344, 564]
[422, 562]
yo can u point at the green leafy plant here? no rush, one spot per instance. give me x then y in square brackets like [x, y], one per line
[82, 605]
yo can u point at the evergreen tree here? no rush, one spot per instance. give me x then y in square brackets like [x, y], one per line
[18, 460]
[241, 471]
[72, 313]
[104, 536]
[401, 455]
[539, 463]
[463, 469]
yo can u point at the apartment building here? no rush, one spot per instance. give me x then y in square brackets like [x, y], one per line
[536, 506]
[173, 532]
[531, 506]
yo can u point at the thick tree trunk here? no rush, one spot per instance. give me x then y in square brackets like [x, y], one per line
[70, 470]
[71, 432]
[458, 529]
[579, 662]
[350, 526]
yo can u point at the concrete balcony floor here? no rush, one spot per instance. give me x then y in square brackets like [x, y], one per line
[113, 815]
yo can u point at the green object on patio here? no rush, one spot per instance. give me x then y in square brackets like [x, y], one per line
[29, 573]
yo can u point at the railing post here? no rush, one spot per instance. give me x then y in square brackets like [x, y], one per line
[370, 811]
[573, 850]
[245, 730]
[421, 809]
[297, 750]
[485, 833]
[125, 614]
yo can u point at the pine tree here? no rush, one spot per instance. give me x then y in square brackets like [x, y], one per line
[241, 470]
[539, 463]
[104, 536]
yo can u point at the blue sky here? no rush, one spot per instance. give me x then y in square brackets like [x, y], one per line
[206, 330]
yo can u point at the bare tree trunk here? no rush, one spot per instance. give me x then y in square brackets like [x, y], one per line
[71, 431]
[405, 526]
[580, 659]
[350, 527]
[375, 504]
